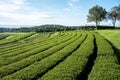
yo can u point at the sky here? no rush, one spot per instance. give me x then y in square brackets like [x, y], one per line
[39, 12]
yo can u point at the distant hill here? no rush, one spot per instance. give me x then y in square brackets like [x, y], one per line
[41, 28]
[50, 28]
[49, 25]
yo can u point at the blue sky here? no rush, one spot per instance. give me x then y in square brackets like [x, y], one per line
[39, 12]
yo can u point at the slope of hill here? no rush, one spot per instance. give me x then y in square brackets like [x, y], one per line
[70, 55]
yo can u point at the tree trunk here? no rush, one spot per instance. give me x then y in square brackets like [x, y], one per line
[96, 24]
[114, 23]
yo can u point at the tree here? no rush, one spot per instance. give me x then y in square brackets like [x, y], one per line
[96, 14]
[118, 12]
[114, 14]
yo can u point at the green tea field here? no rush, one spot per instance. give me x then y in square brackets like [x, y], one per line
[112, 35]
[70, 55]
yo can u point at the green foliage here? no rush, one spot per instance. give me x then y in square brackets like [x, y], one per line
[112, 35]
[114, 14]
[15, 37]
[27, 61]
[73, 64]
[118, 12]
[106, 66]
[17, 55]
[47, 62]
[3, 36]
[96, 14]
[58, 56]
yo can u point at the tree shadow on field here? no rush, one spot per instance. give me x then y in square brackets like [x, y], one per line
[116, 51]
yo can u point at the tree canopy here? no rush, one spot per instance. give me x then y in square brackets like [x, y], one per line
[114, 14]
[96, 14]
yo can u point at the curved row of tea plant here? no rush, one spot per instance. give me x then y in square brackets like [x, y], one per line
[15, 56]
[16, 45]
[37, 36]
[13, 47]
[7, 60]
[15, 37]
[106, 66]
[24, 48]
[59, 56]
[41, 66]
[74, 64]
[3, 36]
[8, 69]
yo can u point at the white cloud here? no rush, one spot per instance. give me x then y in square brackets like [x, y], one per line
[25, 19]
[11, 5]
[72, 6]
[8, 7]
[19, 12]
[32, 16]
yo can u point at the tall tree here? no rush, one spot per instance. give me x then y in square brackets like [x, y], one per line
[118, 11]
[96, 14]
[114, 14]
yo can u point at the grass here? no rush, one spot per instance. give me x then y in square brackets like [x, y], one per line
[112, 35]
